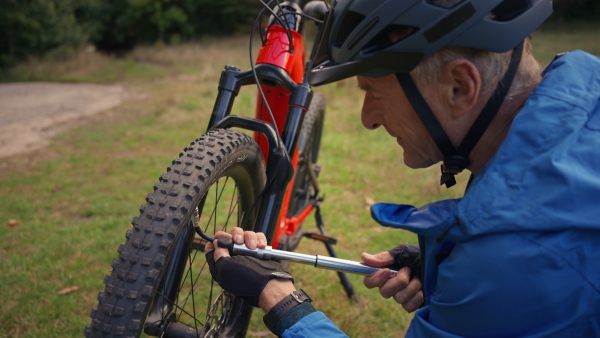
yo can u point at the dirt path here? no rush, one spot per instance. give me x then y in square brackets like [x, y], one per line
[31, 113]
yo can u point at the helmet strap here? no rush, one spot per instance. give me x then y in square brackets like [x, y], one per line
[456, 160]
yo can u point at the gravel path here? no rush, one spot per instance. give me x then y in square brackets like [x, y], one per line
[31, 113]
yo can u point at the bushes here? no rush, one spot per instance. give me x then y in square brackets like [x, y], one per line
[34, 27]
[575, 10]
[125, 23]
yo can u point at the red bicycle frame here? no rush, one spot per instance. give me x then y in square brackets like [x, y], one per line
[276, 52]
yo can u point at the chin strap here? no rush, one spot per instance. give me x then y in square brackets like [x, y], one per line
[456, 160]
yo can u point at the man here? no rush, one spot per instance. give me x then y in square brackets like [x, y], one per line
[453, 81]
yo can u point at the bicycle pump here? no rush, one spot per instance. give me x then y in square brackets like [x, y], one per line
[318, 261]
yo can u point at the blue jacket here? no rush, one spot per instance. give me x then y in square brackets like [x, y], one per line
[519, 255]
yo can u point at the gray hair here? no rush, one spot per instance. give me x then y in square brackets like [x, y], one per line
[491, 67]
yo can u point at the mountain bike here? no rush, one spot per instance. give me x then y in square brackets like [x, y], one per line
[258, 173]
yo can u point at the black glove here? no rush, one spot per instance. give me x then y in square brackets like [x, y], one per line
[407, 255]
[245, 276]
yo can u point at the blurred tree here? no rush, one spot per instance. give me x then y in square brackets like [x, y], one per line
[35, 26]
[561, 6]
[125, 23]
[575, 10]
[221, 17]
[587, 10]
[116, 25]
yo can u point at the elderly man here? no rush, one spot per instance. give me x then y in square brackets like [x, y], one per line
[454, 81]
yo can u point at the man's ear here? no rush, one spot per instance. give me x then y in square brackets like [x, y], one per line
[464, 85]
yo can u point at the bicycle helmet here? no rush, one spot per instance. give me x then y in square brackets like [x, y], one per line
[359, 37]
[354, 39]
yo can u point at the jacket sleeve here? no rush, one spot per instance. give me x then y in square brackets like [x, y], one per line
[314, 325]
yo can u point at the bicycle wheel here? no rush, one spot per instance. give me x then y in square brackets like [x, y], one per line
[160, 284]
[309, 144]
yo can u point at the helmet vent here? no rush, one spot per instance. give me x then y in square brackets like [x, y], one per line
[391, 35]
[509, 9]
[364, 31]
[347, 25]
[449, 23]
[444, 3]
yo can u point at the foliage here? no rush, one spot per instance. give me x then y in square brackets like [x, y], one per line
[38, 27]
[35, 27]
[125, 23]
[222, 17]
[570, 10]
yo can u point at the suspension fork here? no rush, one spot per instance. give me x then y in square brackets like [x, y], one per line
[279, 166]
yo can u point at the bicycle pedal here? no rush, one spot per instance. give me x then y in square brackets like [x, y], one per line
[319, 237]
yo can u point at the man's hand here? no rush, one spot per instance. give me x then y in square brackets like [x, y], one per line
[274, 290]
[405, 291]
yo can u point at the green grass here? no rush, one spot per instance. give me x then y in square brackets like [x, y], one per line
[74, 200]
[553, 39]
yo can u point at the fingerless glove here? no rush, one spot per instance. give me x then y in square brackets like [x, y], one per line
[245, 276]
[407, 255]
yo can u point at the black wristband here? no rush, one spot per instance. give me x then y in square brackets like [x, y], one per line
[284, 306]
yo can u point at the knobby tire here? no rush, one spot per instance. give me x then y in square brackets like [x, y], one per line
[160, 283]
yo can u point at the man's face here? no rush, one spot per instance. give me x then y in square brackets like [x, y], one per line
[386, 105]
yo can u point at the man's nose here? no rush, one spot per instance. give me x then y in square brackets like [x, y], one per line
[369, 116]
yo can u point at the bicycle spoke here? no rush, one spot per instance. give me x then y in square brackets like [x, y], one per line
[218, 196]
[217, 200]
[209, 304]
[195, 282]
[232, 208]
[192, 295]
[194, 277]
[164, 315]
[177, 306]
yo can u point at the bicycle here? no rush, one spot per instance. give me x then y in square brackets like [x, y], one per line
[267, 182]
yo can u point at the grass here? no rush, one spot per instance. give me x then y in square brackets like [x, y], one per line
[553, 39]
[75, 199]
